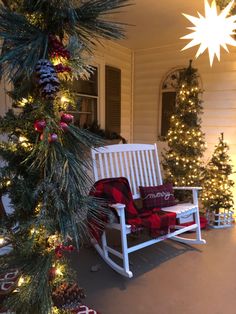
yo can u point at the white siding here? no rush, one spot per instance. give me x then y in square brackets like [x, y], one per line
[219, 97]
[5, 102]
[117, 56]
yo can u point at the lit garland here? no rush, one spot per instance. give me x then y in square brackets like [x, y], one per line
[46, 160]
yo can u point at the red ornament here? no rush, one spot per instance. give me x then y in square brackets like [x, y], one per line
[52, 137]
[40, 125]
[64, 126]
[67, 118]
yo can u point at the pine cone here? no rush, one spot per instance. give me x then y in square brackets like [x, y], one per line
[48, 81]
[67, 295]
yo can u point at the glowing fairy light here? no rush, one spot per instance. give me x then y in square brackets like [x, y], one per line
[64, 99]
[2, 240]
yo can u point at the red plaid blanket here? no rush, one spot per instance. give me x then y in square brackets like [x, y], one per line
[117, 190]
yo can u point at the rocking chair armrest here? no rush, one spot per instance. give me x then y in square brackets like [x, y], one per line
[187, 188]
[119, 208]
[194, 192]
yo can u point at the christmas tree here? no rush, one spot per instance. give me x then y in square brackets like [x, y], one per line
[46, 158]
[217, 185]
[223, 3]
[182, 160]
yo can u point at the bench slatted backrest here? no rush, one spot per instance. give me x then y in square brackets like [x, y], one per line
[139, 163]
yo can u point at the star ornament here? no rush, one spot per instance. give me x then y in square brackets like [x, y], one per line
[212, 31]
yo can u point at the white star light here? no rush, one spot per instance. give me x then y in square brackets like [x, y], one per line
[212, 31]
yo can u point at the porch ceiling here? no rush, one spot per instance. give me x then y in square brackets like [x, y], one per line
[157, 22]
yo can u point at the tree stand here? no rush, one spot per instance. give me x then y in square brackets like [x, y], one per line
[222, 218]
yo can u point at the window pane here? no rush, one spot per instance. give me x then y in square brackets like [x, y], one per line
[86, 112]
[168, 107]
[86, 109]
[87, 87]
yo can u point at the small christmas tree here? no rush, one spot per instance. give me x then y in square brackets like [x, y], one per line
[47, 158]
[217, 185]
[182, 161]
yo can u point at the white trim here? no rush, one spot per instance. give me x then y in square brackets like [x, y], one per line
[132, 97]
[101, 93]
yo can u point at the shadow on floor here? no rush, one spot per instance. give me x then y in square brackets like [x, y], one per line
[169, 278]
[141, 261]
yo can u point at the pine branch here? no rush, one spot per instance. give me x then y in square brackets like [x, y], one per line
[49, 179]
[23, 45]
[35, 294]
[91, 24]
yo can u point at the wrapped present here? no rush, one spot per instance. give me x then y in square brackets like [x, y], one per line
[8, 283]
[83, 309]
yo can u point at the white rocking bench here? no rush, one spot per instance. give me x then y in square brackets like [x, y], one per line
[139, 163]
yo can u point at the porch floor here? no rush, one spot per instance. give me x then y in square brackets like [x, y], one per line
[169, 278]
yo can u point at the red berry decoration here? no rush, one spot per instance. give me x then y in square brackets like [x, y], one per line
[64, 126]
[60, 68]
[39, 125]
[57, 49]
[67, 118]
[52, 138]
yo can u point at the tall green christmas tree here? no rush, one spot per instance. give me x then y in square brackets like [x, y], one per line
[182, 160]
[217, 185]
[46, 156]
[223, 3]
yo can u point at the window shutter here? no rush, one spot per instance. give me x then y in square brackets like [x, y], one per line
[113, 99]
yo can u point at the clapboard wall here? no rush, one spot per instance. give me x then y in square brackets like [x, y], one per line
[113, 54]
[219, 97]
[5, 101]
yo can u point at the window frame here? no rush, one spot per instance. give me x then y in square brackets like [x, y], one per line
[97, 97]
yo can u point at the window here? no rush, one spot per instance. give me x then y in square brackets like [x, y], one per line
[86, 111]
[168, 107]
[168, 97]
[87, 101]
